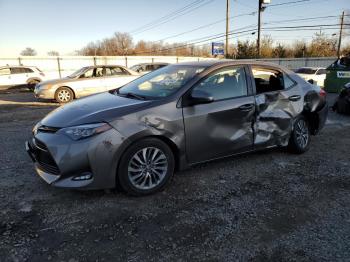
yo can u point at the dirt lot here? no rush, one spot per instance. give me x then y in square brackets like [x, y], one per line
[266, 206]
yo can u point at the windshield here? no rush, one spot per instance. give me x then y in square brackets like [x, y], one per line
[78, 73]
[162, 82]
[308, 71]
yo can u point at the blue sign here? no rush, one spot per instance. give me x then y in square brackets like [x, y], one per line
[217, 48]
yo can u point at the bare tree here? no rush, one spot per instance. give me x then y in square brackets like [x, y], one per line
[28, 52]
[123, 43]
[53, 53]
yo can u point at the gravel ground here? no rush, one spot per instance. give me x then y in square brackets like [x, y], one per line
[266, 206]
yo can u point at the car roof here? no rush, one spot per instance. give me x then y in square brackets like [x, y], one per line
[103, 66]
[155, 63]
[17, 66]
[310, 67]
[210, 63]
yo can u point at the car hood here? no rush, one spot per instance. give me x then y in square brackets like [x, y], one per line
[103, 107]
[56, 81]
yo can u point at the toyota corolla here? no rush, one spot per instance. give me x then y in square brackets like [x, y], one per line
[137, 136]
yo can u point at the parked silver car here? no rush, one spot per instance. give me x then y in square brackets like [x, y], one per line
[86, 81]
[172, 118]
[145, 68]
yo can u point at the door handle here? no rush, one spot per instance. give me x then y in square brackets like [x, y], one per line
[294, 98]
[246, 107]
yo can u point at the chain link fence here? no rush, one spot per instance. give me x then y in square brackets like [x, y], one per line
[55, 67]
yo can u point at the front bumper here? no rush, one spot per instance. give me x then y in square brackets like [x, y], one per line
[44, 93]
[59, 160]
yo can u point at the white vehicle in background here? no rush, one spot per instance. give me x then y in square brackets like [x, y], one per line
[20, 75]
[145, 68]
[86, 81]
[317, 74]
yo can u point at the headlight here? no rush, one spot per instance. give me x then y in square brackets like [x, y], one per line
[84, 131]
[41, 86]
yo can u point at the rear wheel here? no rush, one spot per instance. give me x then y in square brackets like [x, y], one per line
[64, 95]
[146, 167]
[299, 141]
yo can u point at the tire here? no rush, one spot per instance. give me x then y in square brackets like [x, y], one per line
[139, 178]
[64, 95]
[299, 141]
[32, 83]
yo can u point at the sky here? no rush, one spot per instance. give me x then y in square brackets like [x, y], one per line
[68, 25]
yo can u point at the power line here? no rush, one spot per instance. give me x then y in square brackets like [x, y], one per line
[168, 15]
[217, 36]
[246, 14]
[166, 19]
[204, 26]
[288, 3]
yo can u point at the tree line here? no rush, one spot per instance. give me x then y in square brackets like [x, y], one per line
[122, 44]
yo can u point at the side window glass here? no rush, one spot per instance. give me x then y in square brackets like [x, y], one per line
[267, 80]
[109, 71]
[5, 71]
[226, 83]
[149, 68]
[98, 72]
[27, 70]
[16, 70]
[287, 81]
[88, 74]
[142, 68]
[113, 71]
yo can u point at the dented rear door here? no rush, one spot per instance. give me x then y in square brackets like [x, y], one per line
[276, 112]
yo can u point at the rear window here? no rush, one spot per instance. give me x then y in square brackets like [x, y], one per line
[308, 71]
[5, 71]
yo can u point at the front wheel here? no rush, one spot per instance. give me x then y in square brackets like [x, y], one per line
[299, 141]
[146, 167]
[64, 95]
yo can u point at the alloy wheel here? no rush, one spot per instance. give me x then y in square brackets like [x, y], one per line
[302, 133]
[147, 168]
[64, 95]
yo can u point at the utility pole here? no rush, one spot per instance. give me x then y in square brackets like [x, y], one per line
[261, 9]
[340, 34]
[259, 27]
[227, 25]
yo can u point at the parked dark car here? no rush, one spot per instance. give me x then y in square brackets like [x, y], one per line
[342, 103]
[172, 118]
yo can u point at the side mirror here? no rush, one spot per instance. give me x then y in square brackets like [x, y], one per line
[311, 81]
[200, 97]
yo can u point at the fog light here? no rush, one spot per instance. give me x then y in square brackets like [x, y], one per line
[83, 176]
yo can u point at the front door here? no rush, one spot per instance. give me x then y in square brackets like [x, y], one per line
[90, 82]
[224, 126]
[278, 102]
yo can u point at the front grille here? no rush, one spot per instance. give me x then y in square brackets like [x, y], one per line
[40, 144]
[44, 158]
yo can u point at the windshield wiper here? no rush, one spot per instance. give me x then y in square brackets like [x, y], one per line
[132, 95]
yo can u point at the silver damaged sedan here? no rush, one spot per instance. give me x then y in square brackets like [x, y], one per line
[138, 135]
